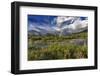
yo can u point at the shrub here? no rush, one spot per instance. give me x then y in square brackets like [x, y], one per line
[56, 47]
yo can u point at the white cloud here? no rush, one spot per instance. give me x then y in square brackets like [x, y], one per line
[75, 25]
[32, 27]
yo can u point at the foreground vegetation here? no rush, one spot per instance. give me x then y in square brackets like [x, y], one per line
[56, 47]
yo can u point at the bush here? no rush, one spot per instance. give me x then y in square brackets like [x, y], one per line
[55, 47]
[59, 52]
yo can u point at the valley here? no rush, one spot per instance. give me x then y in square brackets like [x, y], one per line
[51, 47]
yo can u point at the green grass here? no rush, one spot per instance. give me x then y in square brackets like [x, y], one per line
[56, 47]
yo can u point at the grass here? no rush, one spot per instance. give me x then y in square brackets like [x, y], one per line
[56, 47]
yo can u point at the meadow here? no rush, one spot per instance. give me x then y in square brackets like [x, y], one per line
[53, 47]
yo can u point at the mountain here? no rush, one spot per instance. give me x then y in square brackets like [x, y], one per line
[64, 26]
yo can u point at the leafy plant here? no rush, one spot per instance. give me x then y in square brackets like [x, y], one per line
[56, 47]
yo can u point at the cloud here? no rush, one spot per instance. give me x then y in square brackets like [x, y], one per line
[68, 24]
[71, 22]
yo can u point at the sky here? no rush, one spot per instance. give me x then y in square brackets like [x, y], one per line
[55, 23]
[42, 20]
[45, 20]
